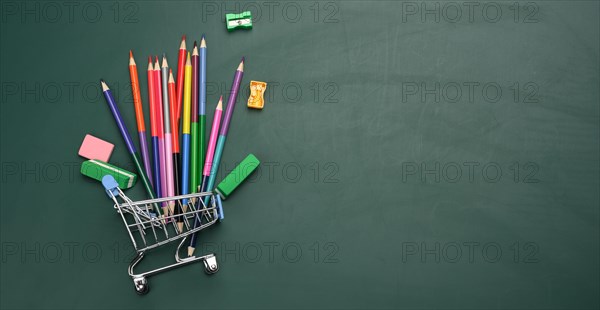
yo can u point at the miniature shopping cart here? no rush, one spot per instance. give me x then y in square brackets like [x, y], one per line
[148, 230]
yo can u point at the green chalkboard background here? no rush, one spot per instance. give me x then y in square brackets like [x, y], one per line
[415, 154]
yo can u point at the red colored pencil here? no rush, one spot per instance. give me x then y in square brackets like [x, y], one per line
[153, 129]
[176, 164]
[179, 82]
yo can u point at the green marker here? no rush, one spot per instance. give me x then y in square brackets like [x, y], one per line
[237, 176]
[97, 169]
[239, 21]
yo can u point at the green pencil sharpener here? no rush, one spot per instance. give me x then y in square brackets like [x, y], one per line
[239, 21]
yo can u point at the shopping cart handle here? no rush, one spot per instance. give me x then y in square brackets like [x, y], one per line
[220, 208]
[110, 185]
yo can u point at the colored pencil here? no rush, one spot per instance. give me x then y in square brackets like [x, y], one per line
[237, 79]
[194, 170]
[139, 114]
[161, 134]
[168, 155]
[153, 129]
[172, 107]
[202, 108]
[180, 77]
[175, 106]
[185, 131]
[207, 164]
[112, 104]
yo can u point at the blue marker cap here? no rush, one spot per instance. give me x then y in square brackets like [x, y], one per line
[110, 185]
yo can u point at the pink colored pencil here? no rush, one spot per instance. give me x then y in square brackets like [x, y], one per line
[212, 142]
[168, 139]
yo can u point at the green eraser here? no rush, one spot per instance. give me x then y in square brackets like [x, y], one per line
[237, 176]
[238, 21]
[96, 169]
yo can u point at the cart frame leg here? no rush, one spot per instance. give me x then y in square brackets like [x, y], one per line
[141, 283]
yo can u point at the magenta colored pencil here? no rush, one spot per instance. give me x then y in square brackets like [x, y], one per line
[210, 151]
[158, 100]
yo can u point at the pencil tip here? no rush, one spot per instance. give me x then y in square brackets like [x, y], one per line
[241, 65]
[149, 59]
[131, 60]
[183, 38]
[195, 44]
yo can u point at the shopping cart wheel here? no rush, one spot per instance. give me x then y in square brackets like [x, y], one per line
[210, 264]
[141, 286]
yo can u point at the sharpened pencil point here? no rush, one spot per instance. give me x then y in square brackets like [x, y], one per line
[241, 66]
[243, 59]
[195, 44]
[104, 86]
[156, 64]
[164, 62]
[131, 60]
[202, 42]
[190, 251]
[149, 59]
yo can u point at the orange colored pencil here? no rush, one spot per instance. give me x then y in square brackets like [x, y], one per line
[139, 115]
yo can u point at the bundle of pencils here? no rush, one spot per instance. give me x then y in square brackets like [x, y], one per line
[171, 168]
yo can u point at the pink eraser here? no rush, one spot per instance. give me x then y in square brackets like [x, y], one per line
[94, 148]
